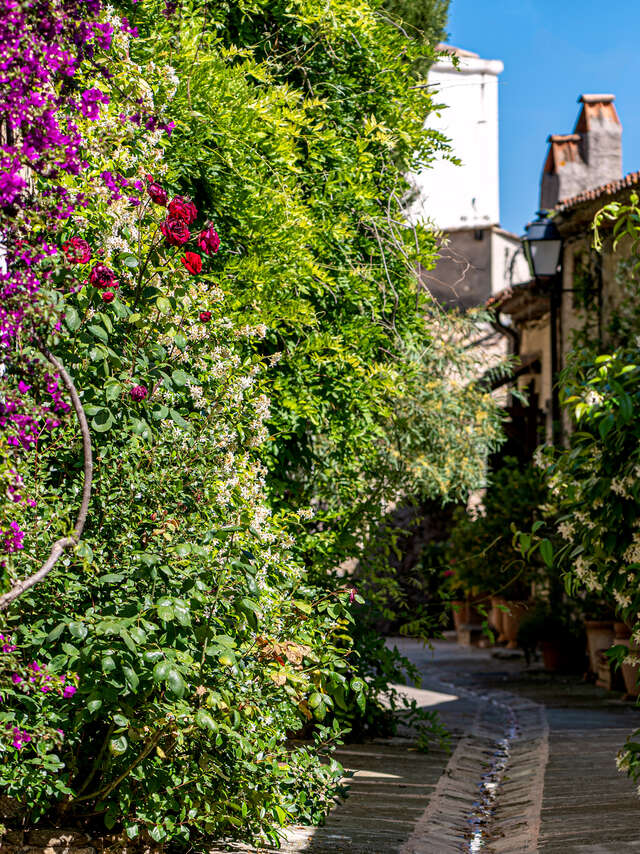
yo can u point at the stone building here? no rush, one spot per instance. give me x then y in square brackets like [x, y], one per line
[461, 201]
[581, 174]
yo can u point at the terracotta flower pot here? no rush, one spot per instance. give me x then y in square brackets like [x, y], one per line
[495, 616]
[630, 672]
[500, 624]
[511, 621]
[621, 631]
[460, 610]
[474, 617]
[600, 635]
[552, 656]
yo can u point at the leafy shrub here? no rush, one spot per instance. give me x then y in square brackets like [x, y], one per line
[481, 553]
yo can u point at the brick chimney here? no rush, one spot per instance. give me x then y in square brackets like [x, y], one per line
[588, 157]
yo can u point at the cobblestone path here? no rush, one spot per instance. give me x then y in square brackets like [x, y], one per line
[532, 769]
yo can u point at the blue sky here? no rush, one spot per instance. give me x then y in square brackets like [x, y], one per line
[553, 51]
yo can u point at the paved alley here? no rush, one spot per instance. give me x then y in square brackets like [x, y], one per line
[532, 768]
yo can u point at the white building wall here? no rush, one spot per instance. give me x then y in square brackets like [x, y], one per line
[467, 196]
[509, 266]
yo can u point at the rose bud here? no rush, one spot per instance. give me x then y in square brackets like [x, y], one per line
[192, 262]
[157, 193]
[108, 296]
[205, 316]
[183, 209]
[208, 240]
[175, 231]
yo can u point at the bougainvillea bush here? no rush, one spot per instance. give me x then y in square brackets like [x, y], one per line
[202, 229]
[150, 681]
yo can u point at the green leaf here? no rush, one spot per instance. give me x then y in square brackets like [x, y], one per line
[179, 377]
[546, 550]
[108, 663]
[131, 678]
[163, 305]
[129, 260]
[314, 700]
[118, 745]
[72, 319]
[94, 705]
[78, 630]
[99, 333]
[120, 720]
[204, 720]
[605, 425]
[55, 633]
[161, 671]
[181, 612]
[175, 682]
[165, 609]
[102, 421]
[157, 833]
[179, 420]
[159, 411]
[139, 635]
[112, 390]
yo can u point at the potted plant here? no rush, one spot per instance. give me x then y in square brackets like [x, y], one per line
[555, 629]
[481, 553]
[600, 635]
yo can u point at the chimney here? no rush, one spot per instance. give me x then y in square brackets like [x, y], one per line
[588, 157]
[600, 139]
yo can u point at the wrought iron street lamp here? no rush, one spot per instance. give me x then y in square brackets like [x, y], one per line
[543, 249]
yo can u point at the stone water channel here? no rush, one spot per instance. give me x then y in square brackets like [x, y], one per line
[532, 768]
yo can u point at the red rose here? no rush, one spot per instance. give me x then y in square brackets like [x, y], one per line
[183, 209]
[77, 250]
[193, 262]
[102, 277]
[157, 193]
[108, 296]
[208, 240]
[175, 230]
[205, 316]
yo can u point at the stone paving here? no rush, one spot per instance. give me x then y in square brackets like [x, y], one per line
[532, 768]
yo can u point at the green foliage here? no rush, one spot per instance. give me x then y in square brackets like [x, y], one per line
[593, 482]
[282, 137]
[202, 611]
[481, 552]
[423, 19]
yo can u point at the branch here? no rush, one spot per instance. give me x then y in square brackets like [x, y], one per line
[66, 542]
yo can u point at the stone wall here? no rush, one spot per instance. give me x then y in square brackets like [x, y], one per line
[47, 841]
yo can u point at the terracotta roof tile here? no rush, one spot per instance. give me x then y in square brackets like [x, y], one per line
[632, 180]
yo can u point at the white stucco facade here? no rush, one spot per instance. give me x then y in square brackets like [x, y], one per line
[451, 197]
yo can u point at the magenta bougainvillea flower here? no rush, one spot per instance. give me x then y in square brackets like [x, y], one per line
[77, 250]
[138, 392]
[183, 209]
[175, 230]
[205, 316]
[157, 193]
[192, 262]
[103, 277]
[209, 240]
[90, 103]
